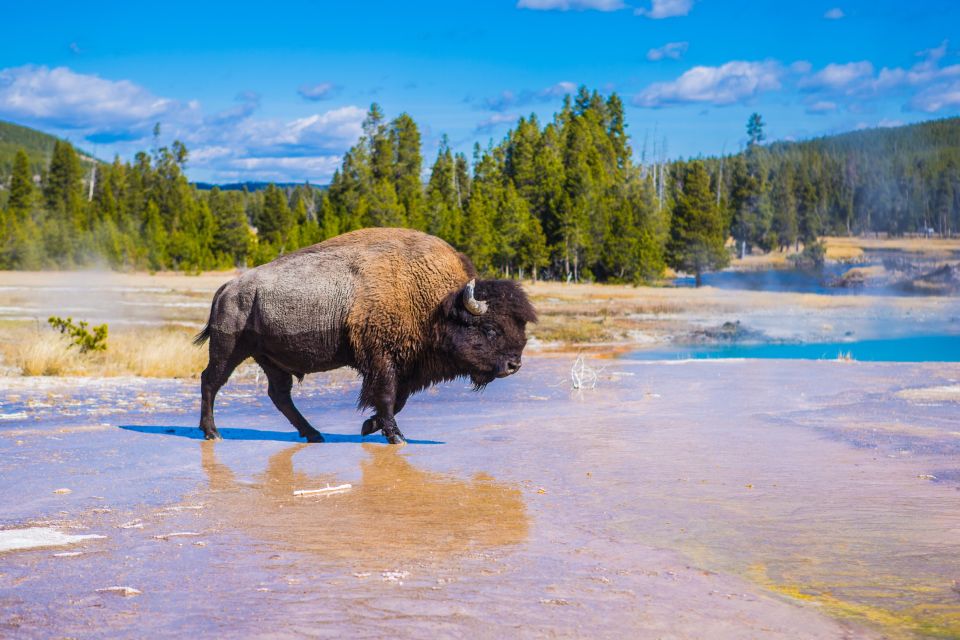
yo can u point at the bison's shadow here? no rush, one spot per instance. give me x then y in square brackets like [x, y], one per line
[194, 433]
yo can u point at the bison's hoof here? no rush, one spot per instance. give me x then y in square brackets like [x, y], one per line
[314, 437]
[370, 425]
[211, 435]
[394, 435]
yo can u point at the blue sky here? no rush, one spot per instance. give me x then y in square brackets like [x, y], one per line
[278, 91]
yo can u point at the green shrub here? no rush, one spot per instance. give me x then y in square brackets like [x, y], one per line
[81, 337]
[813, 256]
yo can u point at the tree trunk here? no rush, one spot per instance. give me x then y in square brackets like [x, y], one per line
[697, 279]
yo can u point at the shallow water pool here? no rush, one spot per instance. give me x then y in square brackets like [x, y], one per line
[928, 348]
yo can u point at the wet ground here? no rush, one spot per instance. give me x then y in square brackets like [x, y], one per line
[730, 499]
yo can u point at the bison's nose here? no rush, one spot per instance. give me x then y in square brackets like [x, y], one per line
[513, 367]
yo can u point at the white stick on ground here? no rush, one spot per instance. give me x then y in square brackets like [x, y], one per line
[340, 488]
[126, 592]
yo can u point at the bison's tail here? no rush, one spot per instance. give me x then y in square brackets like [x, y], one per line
[203, 336]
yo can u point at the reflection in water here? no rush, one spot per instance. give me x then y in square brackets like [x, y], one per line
[396, 512]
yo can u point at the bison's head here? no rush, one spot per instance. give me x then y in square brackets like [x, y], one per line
[485, 328]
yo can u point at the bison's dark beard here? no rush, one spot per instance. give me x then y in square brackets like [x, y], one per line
[481, 380]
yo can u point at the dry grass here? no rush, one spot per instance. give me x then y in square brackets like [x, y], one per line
[843, 252]
[44, 354]
[155, 353]
[152, 353]
[573, 330]
[757, 262]
[854, 247]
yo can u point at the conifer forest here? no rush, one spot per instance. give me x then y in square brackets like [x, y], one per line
[576, 198]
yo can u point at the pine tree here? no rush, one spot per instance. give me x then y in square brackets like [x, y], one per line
[231, 239]
[520, 158]
[696, 242]
[532, 251]
[275, 221]
[385, 209]
[408, 166]
[63, 183]
[784, 210]
[444, 213]
[327, 220]
[155, 238]
[755, 134]
[481, 241]
[20, 202]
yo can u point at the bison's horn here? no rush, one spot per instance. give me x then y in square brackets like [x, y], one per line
[474, 306]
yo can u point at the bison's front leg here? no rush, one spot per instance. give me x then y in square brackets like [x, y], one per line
[372, 424]
[380, 392]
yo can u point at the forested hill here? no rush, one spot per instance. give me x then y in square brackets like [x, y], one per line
[37, 145]
[896, 180]
[924, 139]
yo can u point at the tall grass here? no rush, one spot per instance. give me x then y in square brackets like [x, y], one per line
[44, 354]
[149, 352]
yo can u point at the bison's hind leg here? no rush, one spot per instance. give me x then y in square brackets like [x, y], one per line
[225, 355]
[280, 384]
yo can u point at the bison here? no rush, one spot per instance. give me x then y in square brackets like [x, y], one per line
[401, 307]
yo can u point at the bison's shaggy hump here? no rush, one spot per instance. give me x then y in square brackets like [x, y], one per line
[407, 274]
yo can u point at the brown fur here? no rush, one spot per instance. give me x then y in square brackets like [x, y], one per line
[408, 274]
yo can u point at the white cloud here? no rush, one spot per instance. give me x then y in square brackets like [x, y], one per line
[285, 150]
[232, 143]
[204, 155]
[557, 90]
[671, 50]
[926, 86]
[495, 121]
[822, 106]
[510, 100]
[331, 132]
[839, 77]
[249, 101]
[940, 96]
[63, 99]
[729, 83]
[568, 5]
[834, 14]
[343, 125]
[660, 9]
[317, 92]
[280, 169]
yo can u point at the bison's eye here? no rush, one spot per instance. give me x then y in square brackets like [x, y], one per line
[491, 332]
